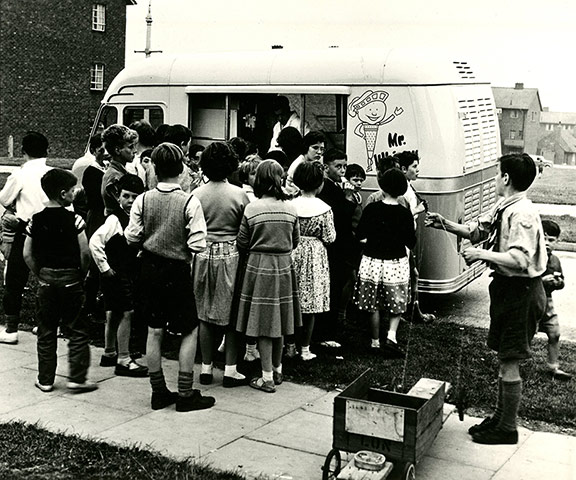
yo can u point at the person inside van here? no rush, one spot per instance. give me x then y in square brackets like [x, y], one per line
[285, 118]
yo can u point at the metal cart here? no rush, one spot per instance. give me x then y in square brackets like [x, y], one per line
[400, 426]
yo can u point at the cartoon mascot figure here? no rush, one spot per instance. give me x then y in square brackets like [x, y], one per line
[371, 110]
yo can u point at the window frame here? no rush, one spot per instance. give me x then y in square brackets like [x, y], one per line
[514, 114]
[97, 77]
[98, 17]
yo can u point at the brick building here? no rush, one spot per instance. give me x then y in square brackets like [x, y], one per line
[519, 117]
[57, 59]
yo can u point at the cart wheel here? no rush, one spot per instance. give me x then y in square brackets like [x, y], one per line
[332, 465]
[409, 472]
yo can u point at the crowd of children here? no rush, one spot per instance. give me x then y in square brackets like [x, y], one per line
[200, 241]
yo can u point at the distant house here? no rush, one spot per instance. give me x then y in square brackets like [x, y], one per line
[57, 59]
[559, 146]
[550, 121]
[519, 117]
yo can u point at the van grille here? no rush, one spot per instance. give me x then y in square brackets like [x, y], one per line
[464, 70]
[478, 200]
[480, 127]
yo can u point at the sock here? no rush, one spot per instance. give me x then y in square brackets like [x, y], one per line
[267, 376]
[391, 336]
[511, 395]
[185, 382]
[250, 348]
[277, 369]
[230, 371]
[157, 381]
[553, 366]
[207, 368]
[109, 352]
[498, 412]
[375, 343]
[123, 359]
[304, 349]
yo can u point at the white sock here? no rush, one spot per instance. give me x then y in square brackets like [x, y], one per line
[206, 368]
[375, 343]
[305, 349]
[267, 376]
[277, 369]
[392, 336]
[123, 360]
[230, 371]
[250, 348]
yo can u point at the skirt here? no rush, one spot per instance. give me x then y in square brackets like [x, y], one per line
[214, 278]
[383, 285]
[268, 304]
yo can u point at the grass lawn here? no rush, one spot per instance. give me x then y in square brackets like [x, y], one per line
[32, 453]
[557, 185]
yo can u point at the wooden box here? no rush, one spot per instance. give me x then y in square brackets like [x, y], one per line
[402, 427]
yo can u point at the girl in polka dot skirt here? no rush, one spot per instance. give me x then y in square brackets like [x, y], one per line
[383, 283]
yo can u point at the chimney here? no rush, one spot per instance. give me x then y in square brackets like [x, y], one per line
[277, 47]
[519, 86]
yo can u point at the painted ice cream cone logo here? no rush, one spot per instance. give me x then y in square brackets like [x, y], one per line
[370, 108]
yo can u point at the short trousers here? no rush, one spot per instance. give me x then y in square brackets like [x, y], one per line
[118, 292]
[166, 294]
[549, 322]
[517, 305]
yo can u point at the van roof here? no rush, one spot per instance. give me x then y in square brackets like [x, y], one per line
[332, 66]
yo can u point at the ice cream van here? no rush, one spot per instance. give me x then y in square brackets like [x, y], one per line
[369, 103]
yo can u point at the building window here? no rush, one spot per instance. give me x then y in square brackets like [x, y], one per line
[513, 113]
[534, 116]
[549, 126]
[520, 134]
[97, 77]
[512, 134]
[98, 17]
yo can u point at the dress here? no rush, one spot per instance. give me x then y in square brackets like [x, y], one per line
[215, 268]
[310, 257]
[268, 303]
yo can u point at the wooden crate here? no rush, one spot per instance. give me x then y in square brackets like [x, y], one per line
[402, 427]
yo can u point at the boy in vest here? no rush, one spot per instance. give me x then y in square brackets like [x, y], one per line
[116, 262]
[168, 225]
[518, 257]
[56, 251]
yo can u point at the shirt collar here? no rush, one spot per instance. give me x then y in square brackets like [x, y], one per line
[36, 161]
[168, 187]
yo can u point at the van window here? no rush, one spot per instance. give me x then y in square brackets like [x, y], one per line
[108, 116]
[153, 114]
[221, 116]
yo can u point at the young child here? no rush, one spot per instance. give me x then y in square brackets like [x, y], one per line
[384, 276]
[56, 251]
[314, 146]
[116, 262]
[247, 175]
[355, 176]
[553, 279]
[310, 257]
[410, 164]
[269, 307]
[517, 297]
[168, 225]
[215, 268]
[120, 143]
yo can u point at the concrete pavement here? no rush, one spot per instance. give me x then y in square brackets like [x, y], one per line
[285, 435]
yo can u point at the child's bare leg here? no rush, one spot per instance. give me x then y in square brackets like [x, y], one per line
[206, 335]
[554, 355]
[188, 351]
[393, 328]
[277, 344]
[230, 371]
[153, 349]
[375, 328]
[307, 330]
[123, 337]
[110, 333]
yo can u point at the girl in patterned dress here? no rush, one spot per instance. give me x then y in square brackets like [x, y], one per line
[269, 306]
[383, 283]
[310, 257]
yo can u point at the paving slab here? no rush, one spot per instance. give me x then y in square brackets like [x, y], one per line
[535, 469]
[323, 405]
[13, 358]
[438, 469]
[183, 435]
[455, 445]
[69, 416]
[549, 447]
[254, 458]
[299, 430]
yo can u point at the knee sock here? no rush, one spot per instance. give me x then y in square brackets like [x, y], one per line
[12, 322]
[498, 412]
[157, 381]
[511, 395]
[185, 382]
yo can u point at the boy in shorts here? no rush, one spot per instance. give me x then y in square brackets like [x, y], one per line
[168, 225]
[517, 299]
[553, 279]
[56, 251]
[116, 262]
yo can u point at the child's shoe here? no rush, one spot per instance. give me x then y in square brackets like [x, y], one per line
[43, 388]
[306, 354]
[35, 331]
[496, 436]
[252, 354]
[561, 375]
[290, 350]
[486, 424]
[86, 386]
[260, 384]
[196, 401]
[131, 370]
[163, 399]
[278, 378]
[9, 338]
